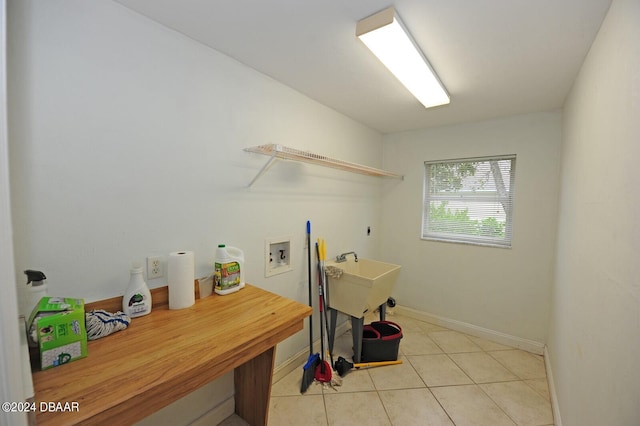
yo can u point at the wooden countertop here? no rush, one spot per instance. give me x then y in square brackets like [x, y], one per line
[166, 355]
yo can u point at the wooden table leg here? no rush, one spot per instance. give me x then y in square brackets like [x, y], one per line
[253, 388]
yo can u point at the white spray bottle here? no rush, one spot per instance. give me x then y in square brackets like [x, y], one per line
[136, 301]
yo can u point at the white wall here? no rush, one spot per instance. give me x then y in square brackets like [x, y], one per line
[464, 282]
[594, 341]
[126, 140]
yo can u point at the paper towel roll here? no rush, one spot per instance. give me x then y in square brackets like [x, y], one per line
[181, 276]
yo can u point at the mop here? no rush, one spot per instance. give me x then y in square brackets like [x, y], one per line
[324, 371]
[100, 323]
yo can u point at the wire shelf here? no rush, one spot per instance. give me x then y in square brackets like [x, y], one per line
[276, 151]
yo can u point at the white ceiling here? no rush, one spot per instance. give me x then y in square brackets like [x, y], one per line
[496, 57]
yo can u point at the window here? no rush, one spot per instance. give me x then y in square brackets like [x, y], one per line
[469, 200]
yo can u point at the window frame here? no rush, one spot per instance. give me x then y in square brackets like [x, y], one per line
[427, 235]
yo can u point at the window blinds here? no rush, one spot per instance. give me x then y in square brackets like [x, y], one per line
[469, 200]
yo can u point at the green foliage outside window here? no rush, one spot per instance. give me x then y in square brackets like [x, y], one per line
[442, 219]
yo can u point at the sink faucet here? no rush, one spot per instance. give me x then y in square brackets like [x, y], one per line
[343, 257]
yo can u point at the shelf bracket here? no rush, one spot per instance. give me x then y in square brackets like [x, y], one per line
[264, 168]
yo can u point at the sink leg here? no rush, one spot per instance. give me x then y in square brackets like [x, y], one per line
[332, 328]
[357, 325]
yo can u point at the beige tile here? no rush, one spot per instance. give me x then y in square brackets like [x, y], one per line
[343, 346]
[521, 363]
[297, 410]
[541, 386]
[371, 316]
[469, 405]
[438, 370]
[355, 408]
[402, 398]
[355, 380]
[520, 402]
[482, 368]
[402, 376]
[233, 420]
[418, 343]
[414, 407]
[453, 342]
[488, 345]
[540, 357]
[413, 324]
[407, 323]
[289, 385]
[428, 327]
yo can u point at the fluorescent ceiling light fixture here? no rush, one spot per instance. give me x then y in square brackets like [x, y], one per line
[385, 35]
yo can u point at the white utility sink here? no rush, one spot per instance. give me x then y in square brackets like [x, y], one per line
[364, 285]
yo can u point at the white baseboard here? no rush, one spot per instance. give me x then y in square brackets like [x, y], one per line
[218, 414]
[557, 421]
[474, 330]
[297, 360]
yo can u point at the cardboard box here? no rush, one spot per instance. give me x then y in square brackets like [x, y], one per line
[57, 326]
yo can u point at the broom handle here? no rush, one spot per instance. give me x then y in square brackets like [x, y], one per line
[376, 364]
[310, 291]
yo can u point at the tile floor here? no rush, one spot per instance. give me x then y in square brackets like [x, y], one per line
[446, 378]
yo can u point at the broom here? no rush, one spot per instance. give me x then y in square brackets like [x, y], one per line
[308, 371]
